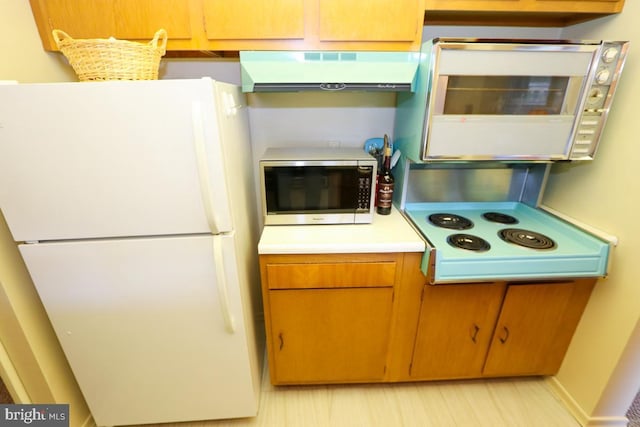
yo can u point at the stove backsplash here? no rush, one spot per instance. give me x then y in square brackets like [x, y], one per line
[469, 182]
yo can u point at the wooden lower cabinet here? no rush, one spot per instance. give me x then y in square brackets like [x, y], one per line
[328, 317]
[535, 327]
[455, 329]
[346, 318]
[328, 335]
[500, 329]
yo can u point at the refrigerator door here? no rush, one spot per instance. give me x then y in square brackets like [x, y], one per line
[143, 324]
[110, 159]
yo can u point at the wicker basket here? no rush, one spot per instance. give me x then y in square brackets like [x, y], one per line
[111, 59]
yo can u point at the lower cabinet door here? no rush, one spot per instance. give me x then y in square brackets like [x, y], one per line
[535, 327]
[454, 331]
[329, 335]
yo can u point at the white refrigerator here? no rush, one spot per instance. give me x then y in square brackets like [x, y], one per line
[133, 206]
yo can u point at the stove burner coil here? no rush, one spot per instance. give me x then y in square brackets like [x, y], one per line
[451, 221]
[468, 242]
[526, 238]
[499, 217]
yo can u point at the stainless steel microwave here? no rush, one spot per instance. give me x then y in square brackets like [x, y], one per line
[509, 100]
[317, 186]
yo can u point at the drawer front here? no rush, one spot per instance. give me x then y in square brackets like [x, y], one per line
[331, 275]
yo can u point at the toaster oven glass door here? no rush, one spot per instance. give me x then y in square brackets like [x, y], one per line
[505, 102]
[510, 95]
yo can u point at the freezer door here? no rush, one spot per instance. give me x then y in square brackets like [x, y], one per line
[143, 325]
[105, 159]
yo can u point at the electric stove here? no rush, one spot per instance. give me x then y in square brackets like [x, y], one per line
[489, 241]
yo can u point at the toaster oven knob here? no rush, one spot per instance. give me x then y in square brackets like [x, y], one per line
[609, 54]
[602, 76]
[595, 96]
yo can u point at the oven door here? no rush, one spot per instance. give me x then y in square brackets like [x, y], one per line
[505, 101]
[316, 193]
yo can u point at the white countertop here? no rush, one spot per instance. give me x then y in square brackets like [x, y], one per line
[387, 233]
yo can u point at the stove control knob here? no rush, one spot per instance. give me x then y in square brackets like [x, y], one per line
[609, 54]
[602, 76]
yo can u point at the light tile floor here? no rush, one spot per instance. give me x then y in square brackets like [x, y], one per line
[526, 402]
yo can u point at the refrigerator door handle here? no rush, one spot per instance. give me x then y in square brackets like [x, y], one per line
[203, 167]
[221, 279]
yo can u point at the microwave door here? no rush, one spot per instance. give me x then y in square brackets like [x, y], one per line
[316, 194]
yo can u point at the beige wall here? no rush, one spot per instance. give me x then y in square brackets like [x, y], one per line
[32, 350]
[602, 368]
[23, 58]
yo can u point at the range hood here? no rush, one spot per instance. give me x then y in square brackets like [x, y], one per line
[291, 71]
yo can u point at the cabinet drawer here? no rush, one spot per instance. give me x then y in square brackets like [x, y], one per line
[331, 275]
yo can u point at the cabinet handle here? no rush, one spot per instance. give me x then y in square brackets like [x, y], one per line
[474, 332]
[281, 340]
[505, 337]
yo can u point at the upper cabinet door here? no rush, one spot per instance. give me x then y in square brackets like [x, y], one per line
[254, 19]
[369, 20]
[538, 13]
[578, 6]
[123, 19]
[140, 19]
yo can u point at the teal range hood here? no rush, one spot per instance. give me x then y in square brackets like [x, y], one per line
[291, 71]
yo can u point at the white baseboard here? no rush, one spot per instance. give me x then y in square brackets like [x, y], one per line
[576, 410]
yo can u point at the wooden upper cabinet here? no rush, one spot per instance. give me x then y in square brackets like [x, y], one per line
[220, 25]
[123, 19]
[314, 24]
[140, 19]
[223, 25]
[583, 6]
[543, 13]
[253, 19]
[370, 20]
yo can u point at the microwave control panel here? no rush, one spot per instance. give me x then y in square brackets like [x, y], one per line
[365, 181]
[600, 89]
